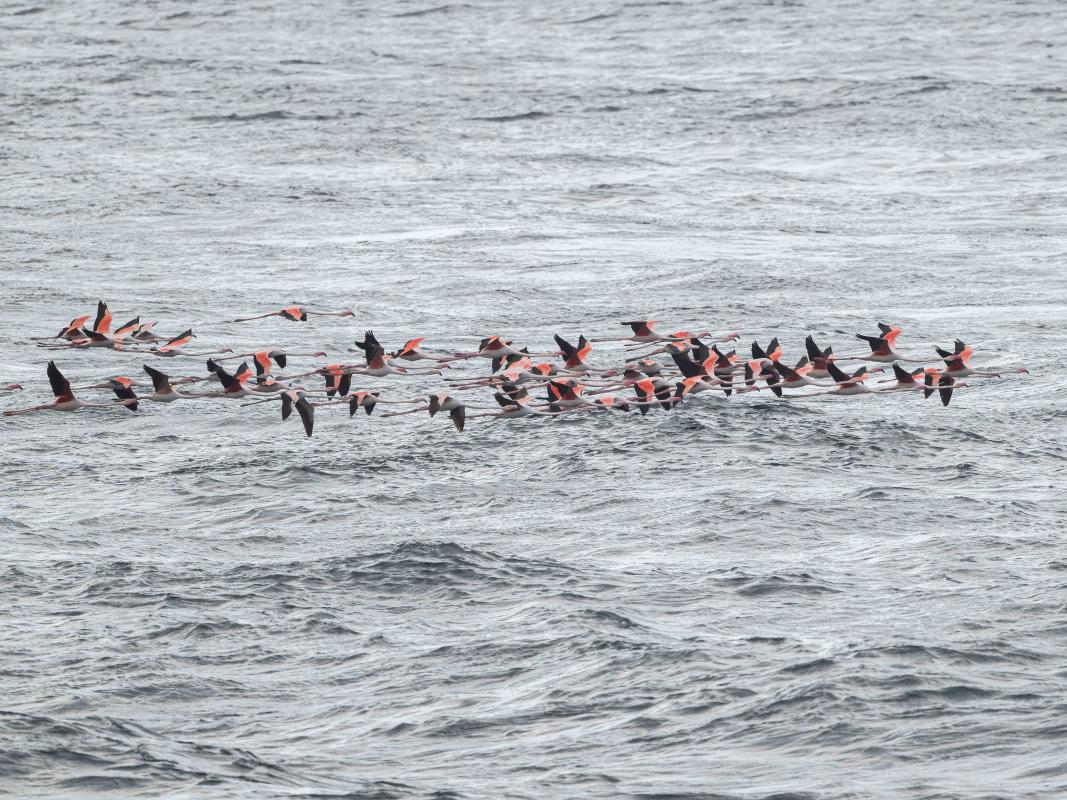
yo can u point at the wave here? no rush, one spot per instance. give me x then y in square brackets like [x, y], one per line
[514, 117]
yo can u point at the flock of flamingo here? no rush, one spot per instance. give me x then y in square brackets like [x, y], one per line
[659, 370]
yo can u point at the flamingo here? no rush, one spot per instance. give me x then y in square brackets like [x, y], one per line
[412, 352]
[516, 403]
[574, 357]
[681, 339]
[565, 394]
[65, 399]
[378, 365]
[10, 388]
[337, 380]
[295, 399]
[695, 377]
[818, 357]
[94, 338]
[521, 371]
[299, 314]
[144, 333]
[772, 352]
[296, 396]
[672, 346]
[650, 388]
[173, 347]
[74, 330]
[442, 401]
[644, 333]
[845, 385]
[614, 402]
[164, 392]
[881, 346]
[497, 348]
[263, 358]
[234, 386]
[904, 380]
[956, 363]
[797, 377]
[123, 389]
[942, 383]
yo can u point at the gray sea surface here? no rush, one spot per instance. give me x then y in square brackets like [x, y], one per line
[740, 598]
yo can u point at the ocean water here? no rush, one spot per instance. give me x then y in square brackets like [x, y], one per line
[741, 598]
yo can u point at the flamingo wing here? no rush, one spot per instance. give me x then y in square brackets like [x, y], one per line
[60, 385]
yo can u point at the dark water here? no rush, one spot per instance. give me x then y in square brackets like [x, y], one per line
[739, 599]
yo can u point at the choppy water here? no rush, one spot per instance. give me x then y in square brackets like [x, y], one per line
[740, 599]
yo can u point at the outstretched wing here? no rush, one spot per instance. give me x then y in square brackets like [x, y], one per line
[811, 348]
[569, 350]
[160, 382]
[307, 414]
[102, 324]
[687, 366]
[123, 391]
[60, 385]
[836, 372]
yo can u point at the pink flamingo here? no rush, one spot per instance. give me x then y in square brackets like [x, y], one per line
[65, 399]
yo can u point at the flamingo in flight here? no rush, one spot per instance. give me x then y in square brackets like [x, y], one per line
[100, 334]
[441, 401]
[574, 357]
[295, 399]
[881, 346]
[939, 381]
[412, 352]
[845, 385]
[73, 330]
[174, 347]
[145, 334]
[644, 333]
[378, 365]
[263, 359]
[113, 340]
[932, 379]
[956, 363]
[514, 402]
[799, 376]
[496, 348]
[818, 357]
[164, 392]
[123, 389]
[679, 339]
[10, 388]
[903, 380]
[696, 377]
[65, 399]
[299, 314]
